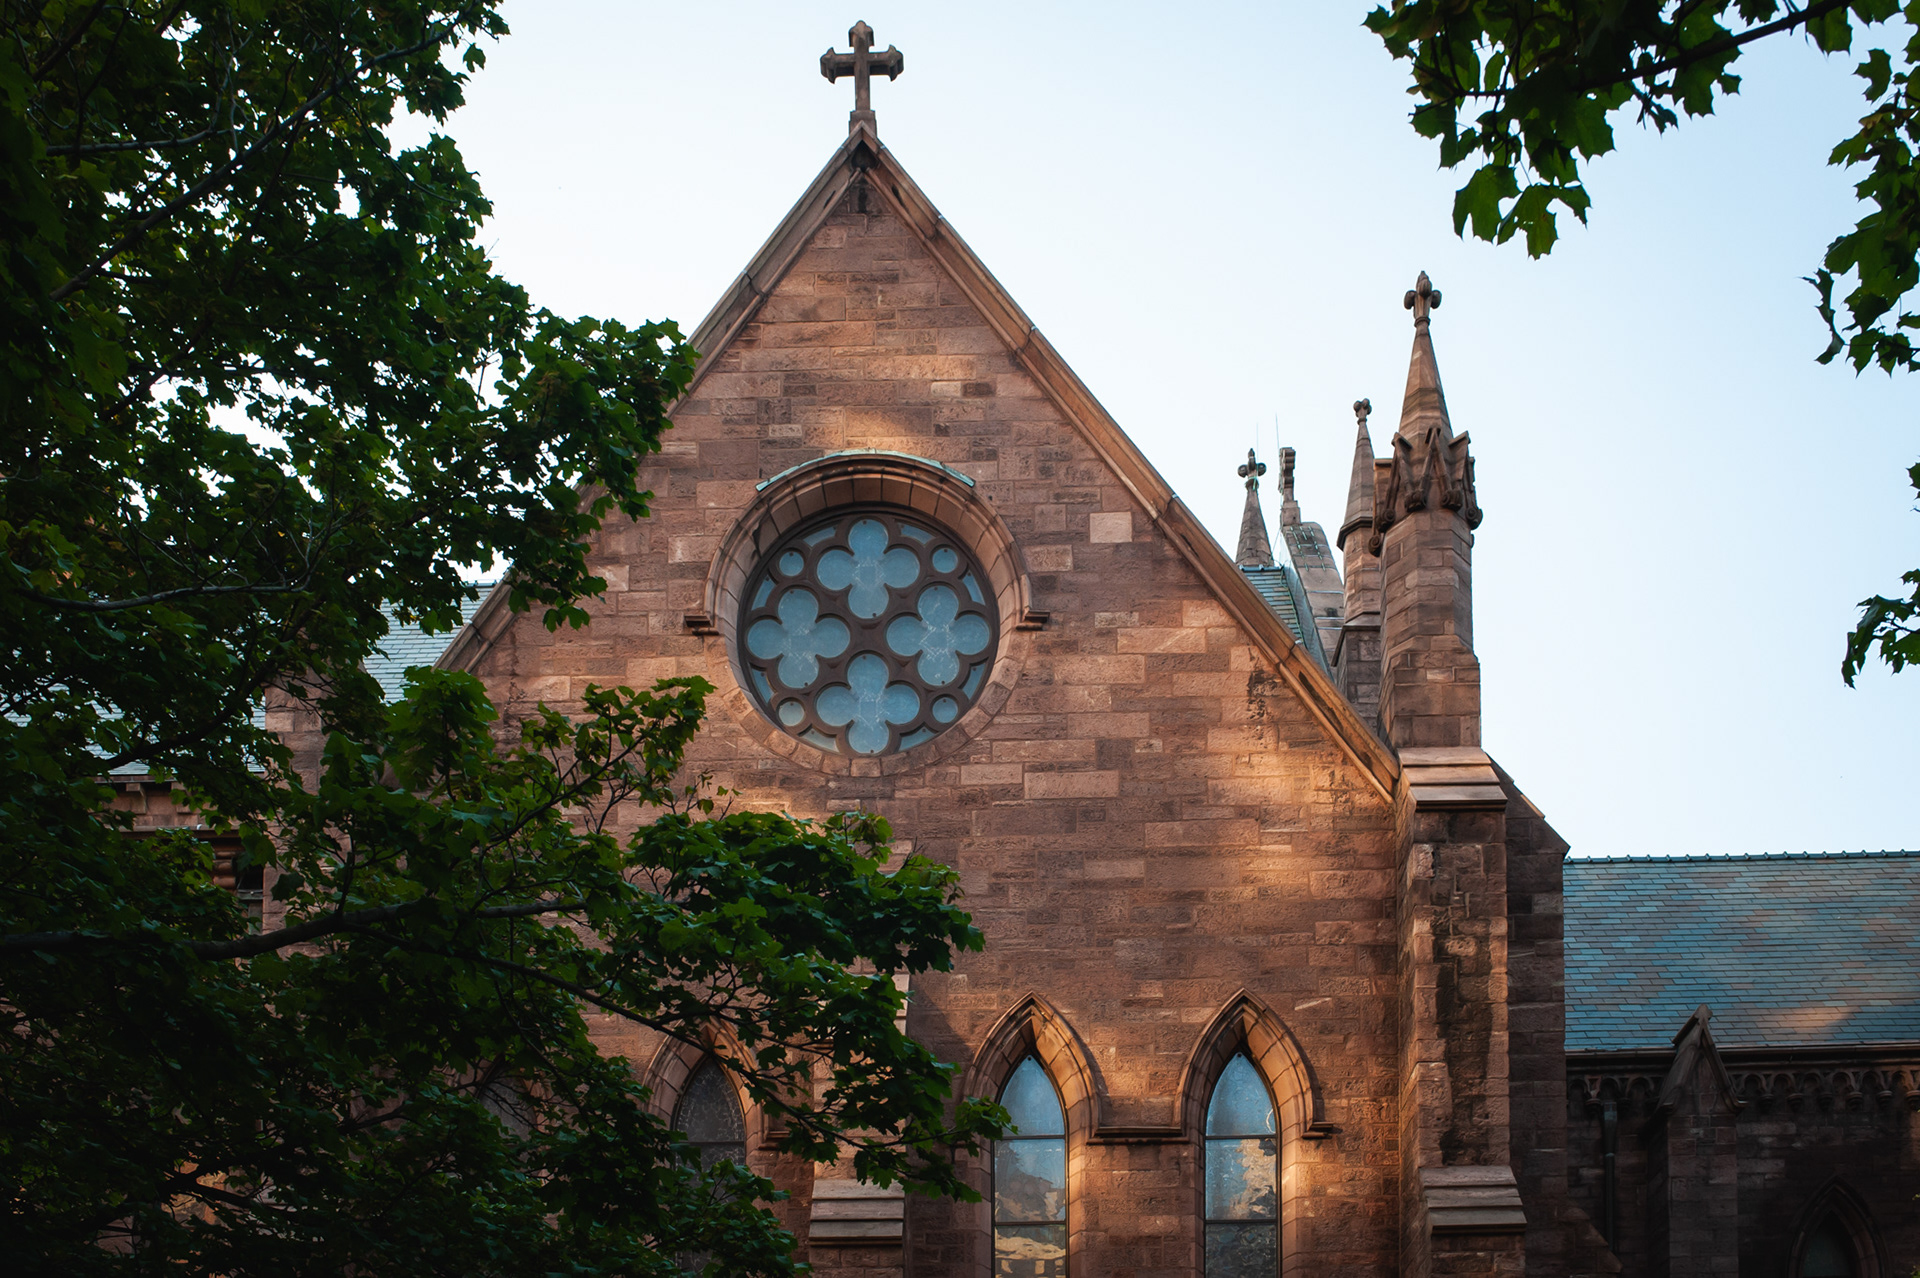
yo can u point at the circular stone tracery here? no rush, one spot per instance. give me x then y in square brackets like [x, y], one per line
[867, 632]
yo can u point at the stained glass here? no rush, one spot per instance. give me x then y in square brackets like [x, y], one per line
[1030, 1179]
[1242, 1176]
[1030, 1251]
[1242, 1251]
[709, 1114]
[1827, 1255]
[867, 634]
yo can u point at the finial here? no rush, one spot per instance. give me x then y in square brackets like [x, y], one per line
[860, 64]
[1252, 471]
[1286, 473]
[1422, 299]
[1362, 409]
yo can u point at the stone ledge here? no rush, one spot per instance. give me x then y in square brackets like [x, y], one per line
[849, 1213]
[1452, 777]
[1472, 1200]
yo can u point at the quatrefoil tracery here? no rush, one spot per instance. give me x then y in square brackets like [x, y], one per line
[867, 632]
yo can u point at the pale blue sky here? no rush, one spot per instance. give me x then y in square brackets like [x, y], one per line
[1213, 212]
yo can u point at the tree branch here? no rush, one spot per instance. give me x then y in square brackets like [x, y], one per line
[21, 943]
[221, 173]
[97, 148]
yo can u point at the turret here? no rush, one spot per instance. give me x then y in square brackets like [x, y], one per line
[1423, 526]
[1356, 654]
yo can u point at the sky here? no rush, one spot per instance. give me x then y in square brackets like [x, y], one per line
[1213, 213]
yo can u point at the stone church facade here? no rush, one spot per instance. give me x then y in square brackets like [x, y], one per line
[1276, 963]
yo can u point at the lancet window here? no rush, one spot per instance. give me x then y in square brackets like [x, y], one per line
[1030, 1180]
[709, 1113]
[1242, 1160]
[1828, 1253]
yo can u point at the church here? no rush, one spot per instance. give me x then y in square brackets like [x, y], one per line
[1284, 974]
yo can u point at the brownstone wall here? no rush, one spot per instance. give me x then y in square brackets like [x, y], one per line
[1751, 1176]
[1150, 824]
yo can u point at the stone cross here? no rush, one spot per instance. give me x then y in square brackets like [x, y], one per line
[1252, 471]
[1422, 299]
[860, 64]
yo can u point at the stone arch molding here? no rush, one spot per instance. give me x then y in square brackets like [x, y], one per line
[1838, 1202]
[1247, 1024]
[1033, 1025]
[673, 1063]
[867, 478]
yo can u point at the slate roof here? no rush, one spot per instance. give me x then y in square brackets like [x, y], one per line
[409, 646]
[1285, 596]
[1788, 950]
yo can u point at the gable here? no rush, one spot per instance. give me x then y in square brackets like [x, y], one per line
[865, 323]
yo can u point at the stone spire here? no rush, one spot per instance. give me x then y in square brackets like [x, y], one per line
[1428, 466]
[1255, 550]
[1423, 528]
[1425, 404]
[1356, 661]
[1360, 490]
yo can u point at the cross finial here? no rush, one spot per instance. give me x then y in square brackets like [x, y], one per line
[860, 64]
[1252, 471]
[1422, 299]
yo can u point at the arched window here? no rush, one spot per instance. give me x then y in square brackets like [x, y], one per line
[1030, 1180]
[709, 1113]
[1242, 1177]
[1828, 1253]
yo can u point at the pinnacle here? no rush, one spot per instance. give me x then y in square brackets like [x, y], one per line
[1360, 491]
[1255, 549]
[1425, 405]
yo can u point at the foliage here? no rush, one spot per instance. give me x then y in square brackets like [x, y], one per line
[1526, 90]
[206, 224]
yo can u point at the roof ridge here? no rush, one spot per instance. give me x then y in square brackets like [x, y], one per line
[1643, 858]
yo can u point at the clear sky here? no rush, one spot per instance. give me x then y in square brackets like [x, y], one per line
[1213, 213]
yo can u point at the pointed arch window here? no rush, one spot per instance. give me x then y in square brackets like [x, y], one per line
[709, 1113]
[1242, 1159]
[1828, 1253]
[1030, 1179]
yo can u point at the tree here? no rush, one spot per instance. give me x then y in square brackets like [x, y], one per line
[262, 392]
[1525, 90]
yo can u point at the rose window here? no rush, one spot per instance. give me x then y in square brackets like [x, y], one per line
[867, 632]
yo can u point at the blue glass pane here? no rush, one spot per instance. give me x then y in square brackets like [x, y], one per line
[866, 704]
[946, 710]
[1242, 1251]
[820, 740]
[944, 560]
[763, 594]
[799, 638]
[791, 713]
[1029, 1097]
[791, 563]
[867, 568]
[1030, 1251]
[915, 737]
[1240, 1106]
[1030, 1179]
[974, 676]
[973, 589]
[940, 634]
[1243, 1179]
[920, 535]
